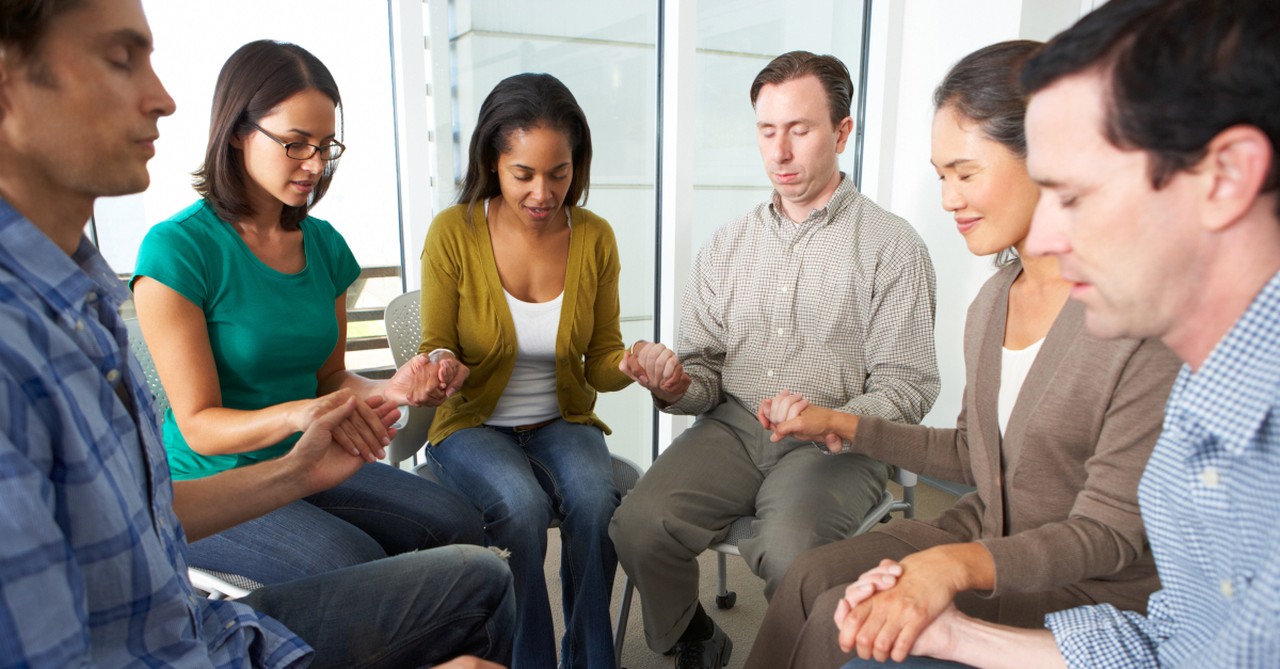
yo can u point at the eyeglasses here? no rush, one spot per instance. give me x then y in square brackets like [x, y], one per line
[302, 150]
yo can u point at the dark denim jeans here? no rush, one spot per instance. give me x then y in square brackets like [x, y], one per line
[412, 610]
[521, 480]
[379, 511]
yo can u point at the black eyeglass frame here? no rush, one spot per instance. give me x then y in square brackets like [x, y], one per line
[289, 146]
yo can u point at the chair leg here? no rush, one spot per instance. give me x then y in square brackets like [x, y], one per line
[725, 599]
[624, 612]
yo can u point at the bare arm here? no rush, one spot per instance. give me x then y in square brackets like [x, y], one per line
[177, 336]
[209, 505]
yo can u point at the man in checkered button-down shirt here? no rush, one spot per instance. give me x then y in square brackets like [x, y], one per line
[817, 291]
[1153, 129]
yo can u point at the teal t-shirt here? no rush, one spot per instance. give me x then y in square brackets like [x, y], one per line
[270, 332]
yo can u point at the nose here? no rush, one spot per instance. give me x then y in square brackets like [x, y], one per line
[781, 149]
[314, 164]
[158, 102]
[952, 199]
[1048, 235]
[542, 189]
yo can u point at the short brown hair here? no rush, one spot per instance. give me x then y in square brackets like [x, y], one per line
[254, 81]
[831, 73]
[23, 23]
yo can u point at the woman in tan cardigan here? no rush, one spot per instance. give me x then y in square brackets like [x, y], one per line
[1054, 429]
[520, 291]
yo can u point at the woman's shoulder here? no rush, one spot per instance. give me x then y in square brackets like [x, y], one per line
[594, 225]
[195, 223]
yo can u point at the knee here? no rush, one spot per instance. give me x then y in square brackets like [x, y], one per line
[637, 527]
[519, 519]
[457, 517]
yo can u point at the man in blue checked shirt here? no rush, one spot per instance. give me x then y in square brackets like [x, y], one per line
[92, 554]
[1153, 128]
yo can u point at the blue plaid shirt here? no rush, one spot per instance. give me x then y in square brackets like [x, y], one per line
[92, 558]
[1210, 497]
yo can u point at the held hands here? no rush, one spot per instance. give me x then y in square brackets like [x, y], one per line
[789, 414]
[321, 460]
[427, 380]
[363, 433]
[657, 369]
[892, 611]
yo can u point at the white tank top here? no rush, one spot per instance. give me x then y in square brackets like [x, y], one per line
[1014, 366]
[530, 395]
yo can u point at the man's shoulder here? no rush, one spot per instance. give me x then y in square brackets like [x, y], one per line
[877, 225]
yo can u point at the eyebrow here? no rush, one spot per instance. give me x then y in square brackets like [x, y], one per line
[797, 121]
[526, 167]
[955, 163]
[131, 37]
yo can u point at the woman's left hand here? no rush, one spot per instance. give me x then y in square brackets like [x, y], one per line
[656, 368]
[421, 382]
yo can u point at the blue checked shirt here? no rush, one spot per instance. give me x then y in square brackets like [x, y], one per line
[92, 558]
[1210, 499]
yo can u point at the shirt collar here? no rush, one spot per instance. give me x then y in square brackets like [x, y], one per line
[64, 282]
[1233, 392]
[844, 192]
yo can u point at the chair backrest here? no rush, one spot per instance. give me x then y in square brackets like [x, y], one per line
[404, 326]
[404, 334]
[143, 354]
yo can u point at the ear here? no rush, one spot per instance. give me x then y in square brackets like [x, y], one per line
[1237, 161]
[843, 130]
[237, 141]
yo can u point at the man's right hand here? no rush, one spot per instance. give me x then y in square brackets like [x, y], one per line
[363, 434]
[656, 368]
[789, 414]
[317, 458]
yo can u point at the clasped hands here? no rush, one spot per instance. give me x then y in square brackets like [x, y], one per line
[427, 380]
[789, 414]
[657, 369]
[904, 608]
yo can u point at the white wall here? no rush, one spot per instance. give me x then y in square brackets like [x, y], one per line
[913, 46]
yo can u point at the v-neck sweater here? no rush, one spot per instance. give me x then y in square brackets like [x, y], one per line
[465, 310]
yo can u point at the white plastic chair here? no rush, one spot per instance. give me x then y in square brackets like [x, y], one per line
[215, 584]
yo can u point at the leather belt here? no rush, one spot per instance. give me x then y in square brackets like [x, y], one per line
[533, 426]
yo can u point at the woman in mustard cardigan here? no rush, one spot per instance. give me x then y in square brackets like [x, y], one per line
[520, 287]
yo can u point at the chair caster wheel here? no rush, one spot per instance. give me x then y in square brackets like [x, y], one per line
[726, 601]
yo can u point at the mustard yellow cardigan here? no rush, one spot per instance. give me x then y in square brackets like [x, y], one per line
[465, 310]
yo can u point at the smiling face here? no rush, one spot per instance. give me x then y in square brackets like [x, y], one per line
[798, 143]
[534, 173]
[80, 114]
[984, 184]
[274, 177]
[1128, 249]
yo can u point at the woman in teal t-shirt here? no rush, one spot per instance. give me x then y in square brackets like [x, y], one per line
[242, 300]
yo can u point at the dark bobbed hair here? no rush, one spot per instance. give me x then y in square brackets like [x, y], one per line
[983, 87]
[23, 23]
[831, 73]
[253, 82]
[523, 102]
[1179, 72]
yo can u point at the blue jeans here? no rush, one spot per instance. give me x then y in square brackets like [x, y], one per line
[411, 610]
[521, 480]
[379, 511]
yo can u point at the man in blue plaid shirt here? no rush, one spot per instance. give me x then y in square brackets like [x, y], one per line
[1153, 128]
[92, 554]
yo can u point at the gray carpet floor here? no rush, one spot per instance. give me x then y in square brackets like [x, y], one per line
[740, 622]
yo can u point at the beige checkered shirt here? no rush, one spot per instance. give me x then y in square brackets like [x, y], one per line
[838, 308]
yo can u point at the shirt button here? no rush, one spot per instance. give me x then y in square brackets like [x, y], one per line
[780, 331]
[1210, 476]
[1226, 588]
[91, 297]
[113, 375]
[79, 324]
[769, 373]
[229, 625]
